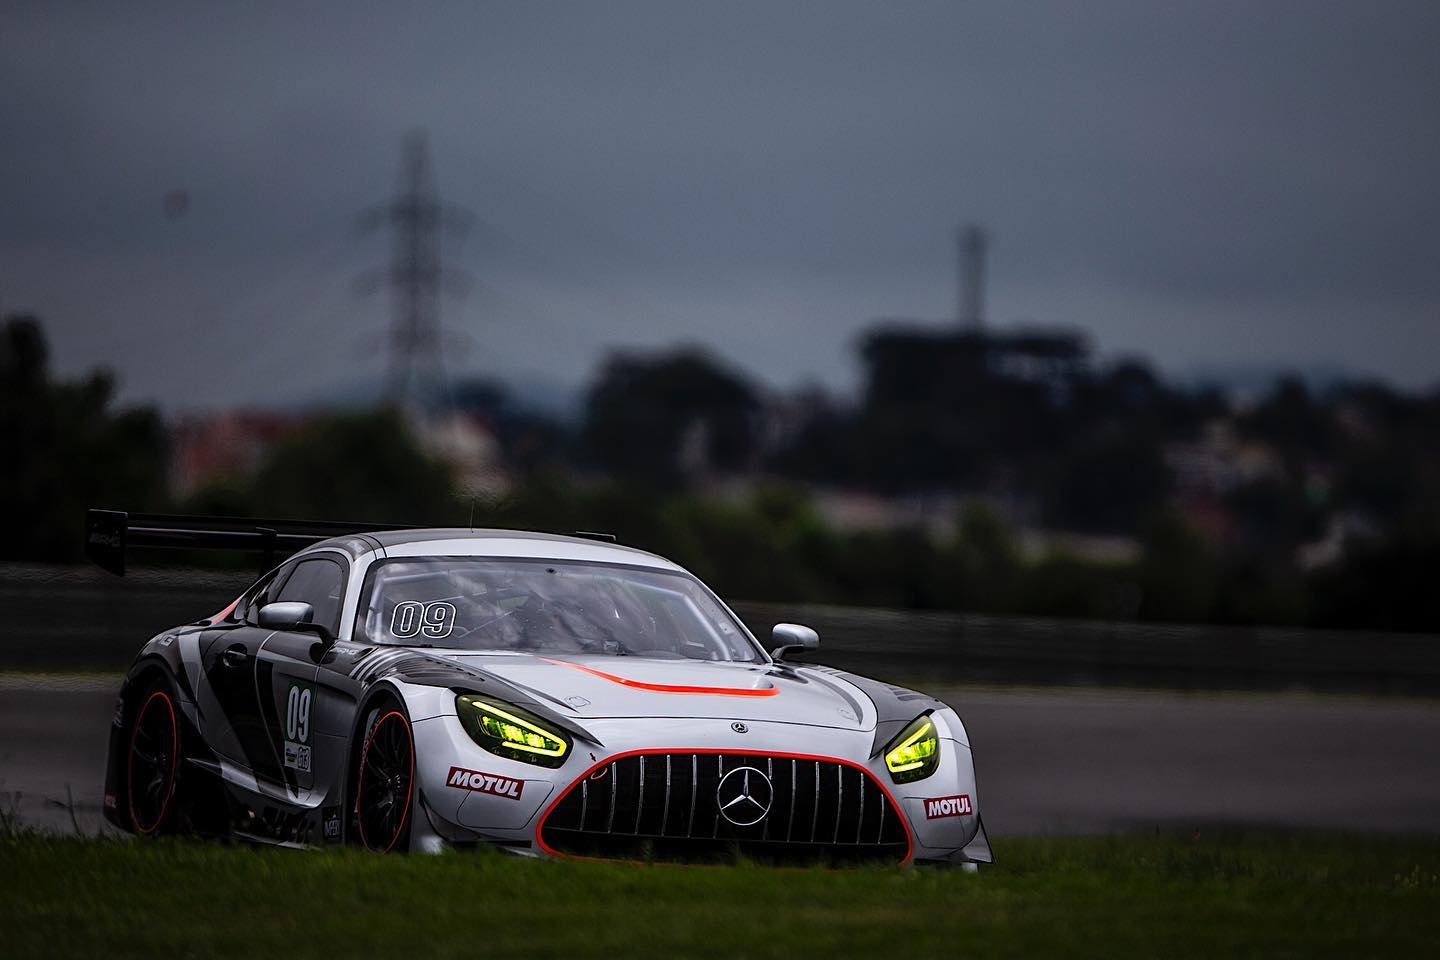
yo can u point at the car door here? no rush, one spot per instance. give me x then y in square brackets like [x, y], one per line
[229, 706]
[286, 666]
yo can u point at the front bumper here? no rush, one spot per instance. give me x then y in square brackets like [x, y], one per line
[467, 794]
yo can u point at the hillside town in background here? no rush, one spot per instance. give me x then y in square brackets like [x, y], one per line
[1002, 470]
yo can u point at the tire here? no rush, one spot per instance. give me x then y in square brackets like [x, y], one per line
[385, 780]
[152, 760]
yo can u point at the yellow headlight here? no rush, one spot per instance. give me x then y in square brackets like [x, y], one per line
[915, 753]
[511, 732]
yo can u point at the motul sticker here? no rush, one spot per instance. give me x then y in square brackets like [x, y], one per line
[956, 806]
[463, 779]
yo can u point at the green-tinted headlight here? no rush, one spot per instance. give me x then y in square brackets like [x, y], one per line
[915, 753]
[510, 732]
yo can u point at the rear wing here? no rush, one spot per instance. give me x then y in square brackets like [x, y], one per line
[111, 534]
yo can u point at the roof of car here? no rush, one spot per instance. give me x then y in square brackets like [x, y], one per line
[463, 541]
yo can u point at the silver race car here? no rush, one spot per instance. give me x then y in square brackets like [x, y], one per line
[407, 689]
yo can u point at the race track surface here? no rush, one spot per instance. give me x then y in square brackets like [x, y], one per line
[1071, 761]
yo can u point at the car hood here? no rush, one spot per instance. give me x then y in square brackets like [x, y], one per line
[596, 687]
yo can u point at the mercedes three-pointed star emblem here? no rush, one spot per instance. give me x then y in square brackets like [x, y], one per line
[744, 796]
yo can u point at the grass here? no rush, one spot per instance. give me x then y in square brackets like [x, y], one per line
[1231, 894]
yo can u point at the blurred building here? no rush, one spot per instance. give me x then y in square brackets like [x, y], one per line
[209, 447]
[1343, 530]
[469, 445]
[857, 510]
[1220, 461]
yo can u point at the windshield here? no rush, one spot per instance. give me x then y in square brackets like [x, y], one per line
[547, 606]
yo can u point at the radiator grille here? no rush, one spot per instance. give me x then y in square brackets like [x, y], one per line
[667, 806]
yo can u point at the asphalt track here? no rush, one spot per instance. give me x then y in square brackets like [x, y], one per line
[1048, 762]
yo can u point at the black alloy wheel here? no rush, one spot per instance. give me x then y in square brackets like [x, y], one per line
[153, 761]
[386, 782]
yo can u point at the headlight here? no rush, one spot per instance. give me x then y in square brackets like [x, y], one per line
[915, 753]
[510, 732]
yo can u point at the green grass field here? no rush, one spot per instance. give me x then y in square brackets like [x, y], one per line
[1213, 896]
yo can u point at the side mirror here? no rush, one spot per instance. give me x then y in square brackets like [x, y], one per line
[792, 638]
[293, 615]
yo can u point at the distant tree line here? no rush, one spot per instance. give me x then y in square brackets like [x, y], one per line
[66, 448]
[1318, 507]
[1028, 427]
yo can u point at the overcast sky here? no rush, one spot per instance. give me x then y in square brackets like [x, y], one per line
[1209, 185]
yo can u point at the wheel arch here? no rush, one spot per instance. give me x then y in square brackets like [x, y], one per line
[378, 693]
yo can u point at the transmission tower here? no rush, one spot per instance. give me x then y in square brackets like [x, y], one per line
[416, 217]
[972, 244]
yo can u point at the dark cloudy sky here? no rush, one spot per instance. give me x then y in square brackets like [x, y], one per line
[1209, 184]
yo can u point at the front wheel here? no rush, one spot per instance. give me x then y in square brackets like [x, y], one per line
[385, 781]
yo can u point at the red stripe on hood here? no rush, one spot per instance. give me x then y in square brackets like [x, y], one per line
[669, 687]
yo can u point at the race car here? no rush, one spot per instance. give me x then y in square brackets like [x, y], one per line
[551, 696]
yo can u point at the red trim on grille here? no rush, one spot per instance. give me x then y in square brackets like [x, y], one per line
[670, 687]
[899, 812]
